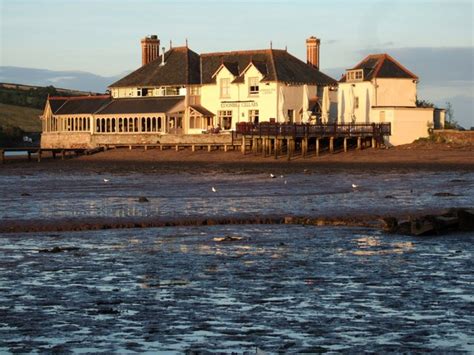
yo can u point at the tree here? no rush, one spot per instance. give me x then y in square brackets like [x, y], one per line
[424, 103]
[450, 122]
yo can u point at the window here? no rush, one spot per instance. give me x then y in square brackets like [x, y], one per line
[253, 116]
[225, 119]
[196, 121]
[225, 87]
[194, 91]
[290, 116]
[139, 92]
[253, 86]
[355, 75]
[356, 102]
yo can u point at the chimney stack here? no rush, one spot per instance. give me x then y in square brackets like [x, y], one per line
[312, 51]
[150, 49]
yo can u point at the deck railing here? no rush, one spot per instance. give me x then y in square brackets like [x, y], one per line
[295, 130]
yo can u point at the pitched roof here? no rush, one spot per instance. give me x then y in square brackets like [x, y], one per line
[56, 102]
[382, 66]
[75, 105]
[185, 67]
[143, 105]
[202, 110]
[181, 68]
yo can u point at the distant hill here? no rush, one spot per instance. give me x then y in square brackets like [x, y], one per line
[74, 80]
[25, 118]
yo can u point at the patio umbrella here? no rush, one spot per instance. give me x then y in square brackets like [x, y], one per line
[326, 105]
[306, 113]
[281, 105]
[352, 105]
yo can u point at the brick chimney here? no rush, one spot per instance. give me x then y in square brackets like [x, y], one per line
[150, 49]
[312, 51]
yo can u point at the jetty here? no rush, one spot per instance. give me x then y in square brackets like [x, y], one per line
[275, 139]
[38, 151]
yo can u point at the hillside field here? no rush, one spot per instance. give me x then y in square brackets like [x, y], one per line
[25, 118]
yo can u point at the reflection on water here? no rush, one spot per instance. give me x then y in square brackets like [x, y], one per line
[73, 195]
[277, 288]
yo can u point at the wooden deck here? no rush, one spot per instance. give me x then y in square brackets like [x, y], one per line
[38, 151]
[274, 139]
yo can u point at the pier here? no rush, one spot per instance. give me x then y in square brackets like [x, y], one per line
[274, 139]
[38, 151]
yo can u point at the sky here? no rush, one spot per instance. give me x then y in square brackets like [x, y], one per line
[103, 36]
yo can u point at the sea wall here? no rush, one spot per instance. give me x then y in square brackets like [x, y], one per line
[84, 140]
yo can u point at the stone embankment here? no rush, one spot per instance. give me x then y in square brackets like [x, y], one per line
[454, 220]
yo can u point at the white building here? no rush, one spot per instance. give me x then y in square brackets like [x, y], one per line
[378, 90]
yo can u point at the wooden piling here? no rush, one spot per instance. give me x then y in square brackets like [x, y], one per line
[29, 155]
[288, 149]
[374, 143]
[2, 156]
[317, 147]
[243, 145]
[39, 155]
[331, 145]
[63, 154]
[345, 145]
[359, 143]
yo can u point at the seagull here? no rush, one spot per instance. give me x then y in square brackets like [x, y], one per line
[281, 176]
[354, 186]
[213, 189]
[272, 176]
[106, 180]
[285, 182]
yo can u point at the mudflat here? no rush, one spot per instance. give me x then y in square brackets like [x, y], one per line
[430, 156]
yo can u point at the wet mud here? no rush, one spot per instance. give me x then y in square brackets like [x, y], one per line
[235, 288]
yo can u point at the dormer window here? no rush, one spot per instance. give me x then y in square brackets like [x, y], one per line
[355, 75]
[253, 86]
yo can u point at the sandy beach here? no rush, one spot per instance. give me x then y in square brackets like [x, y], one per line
[429, 156]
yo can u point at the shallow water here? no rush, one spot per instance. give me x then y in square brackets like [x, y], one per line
[276, 288]
[58, 195]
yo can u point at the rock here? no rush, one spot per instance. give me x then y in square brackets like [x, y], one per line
[143, 199]
[444, 194]
[389, 196]
[58, 249]
[390, 224]
[25, 194]
[227, 238]
[466, 219]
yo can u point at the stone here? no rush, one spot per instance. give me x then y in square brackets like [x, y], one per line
[143, 199]
[444, 194]
[390, 224]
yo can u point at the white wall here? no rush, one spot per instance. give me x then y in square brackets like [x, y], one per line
[395, 92]
[408, 124]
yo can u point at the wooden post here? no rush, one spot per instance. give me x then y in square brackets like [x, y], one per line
[345, 144]
[208, 148]
[29, 155]
[146, 147]
[193, 148]
[288, 149]
[254, 145]
[225, 148]
[317, 147]
[331, 145]
[2, 156]
[264, 146]
[243, 145]
[374, 143]
[177, 147]
[359, 143]
[39, 155]
[276, 147]
[63, 154]
[54, 154]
